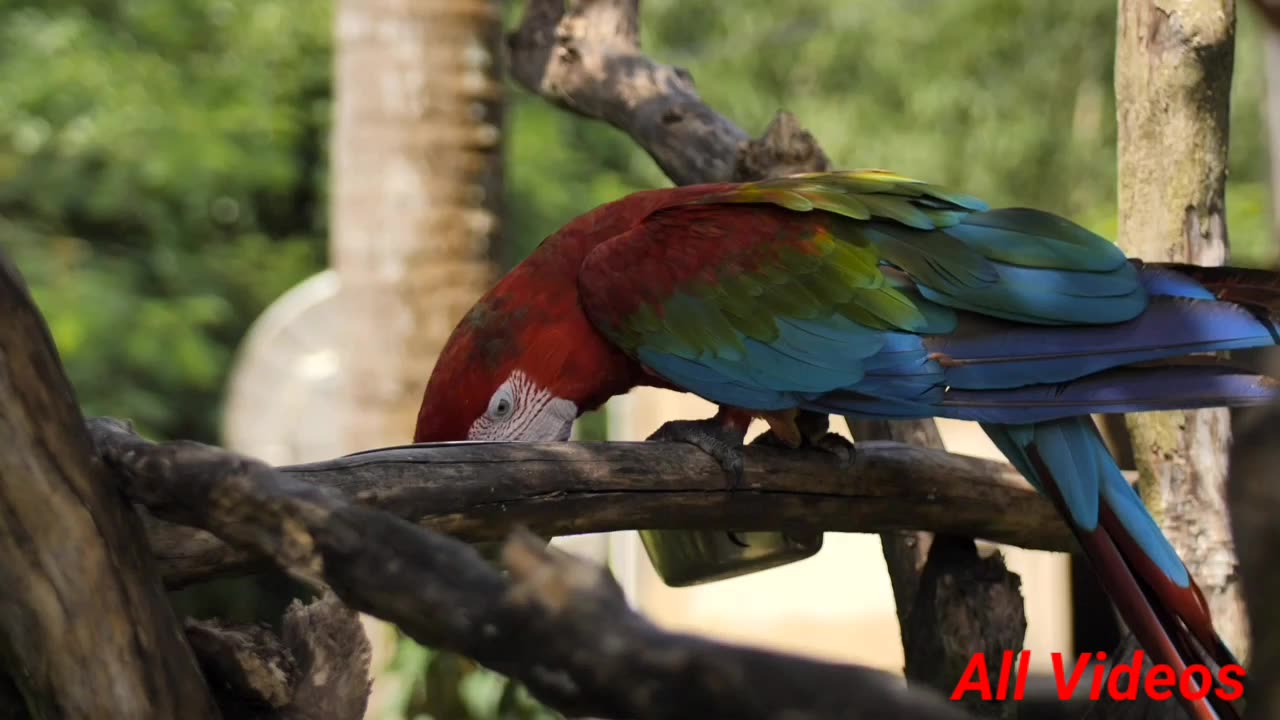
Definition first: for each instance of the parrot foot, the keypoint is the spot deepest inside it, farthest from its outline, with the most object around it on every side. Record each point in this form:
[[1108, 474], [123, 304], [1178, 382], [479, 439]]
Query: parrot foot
[[828, 442], [837, 445], [715, 438]]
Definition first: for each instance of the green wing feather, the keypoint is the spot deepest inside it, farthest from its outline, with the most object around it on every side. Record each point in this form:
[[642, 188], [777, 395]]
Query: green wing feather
[[860, 251]]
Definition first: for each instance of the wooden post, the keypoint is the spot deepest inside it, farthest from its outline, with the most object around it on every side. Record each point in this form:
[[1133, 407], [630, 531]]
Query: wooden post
[[1173, 84]]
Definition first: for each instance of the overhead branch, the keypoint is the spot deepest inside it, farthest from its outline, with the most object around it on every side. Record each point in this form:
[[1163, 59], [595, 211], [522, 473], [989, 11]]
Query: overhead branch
[[556, 623], [481, 491], [85, 628], [587, 59]]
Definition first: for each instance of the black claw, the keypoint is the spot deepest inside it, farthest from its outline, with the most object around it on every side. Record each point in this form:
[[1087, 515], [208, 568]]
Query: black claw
[[769, 438], [712, 437], [828, 442], [813, 425], [837, 445]]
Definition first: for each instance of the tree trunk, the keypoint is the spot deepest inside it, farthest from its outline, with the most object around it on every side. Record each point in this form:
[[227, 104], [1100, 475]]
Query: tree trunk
[[86, 631], [1173, 84], [1271, 72], [416, 189], [417, 169]]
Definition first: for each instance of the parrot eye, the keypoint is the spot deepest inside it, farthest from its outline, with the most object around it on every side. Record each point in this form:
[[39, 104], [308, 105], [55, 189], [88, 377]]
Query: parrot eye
[[540, 416], [501, 404]]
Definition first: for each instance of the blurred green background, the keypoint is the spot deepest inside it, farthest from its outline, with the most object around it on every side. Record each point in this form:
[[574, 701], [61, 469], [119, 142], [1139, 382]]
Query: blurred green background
[[163, 162]]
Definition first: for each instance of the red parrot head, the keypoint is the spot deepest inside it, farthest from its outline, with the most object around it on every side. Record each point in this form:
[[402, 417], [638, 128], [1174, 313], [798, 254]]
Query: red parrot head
[[495, 380], [523, 363]]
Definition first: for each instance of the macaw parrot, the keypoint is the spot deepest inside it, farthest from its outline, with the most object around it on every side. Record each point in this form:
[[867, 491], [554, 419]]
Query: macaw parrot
[[870, 295]]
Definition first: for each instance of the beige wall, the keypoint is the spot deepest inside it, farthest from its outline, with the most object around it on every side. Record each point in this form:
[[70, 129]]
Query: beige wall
[[837, 604]]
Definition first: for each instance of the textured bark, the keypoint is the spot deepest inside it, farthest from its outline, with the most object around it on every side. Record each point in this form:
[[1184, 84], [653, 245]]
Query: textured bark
[[587, 59], [416, 188], [416, 191], [554, 622], [951, 602], [1173, 82], [316, 669], [85, 628], [963, 604], [481, 491]]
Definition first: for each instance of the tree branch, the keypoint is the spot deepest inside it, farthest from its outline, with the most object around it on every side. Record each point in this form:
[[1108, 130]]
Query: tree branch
[[85, 628], [481, 491], [558, 624], [587, 59]]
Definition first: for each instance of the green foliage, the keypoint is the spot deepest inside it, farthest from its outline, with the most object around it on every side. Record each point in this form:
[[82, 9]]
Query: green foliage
[[162, 162], [435, 685], [161, 181]]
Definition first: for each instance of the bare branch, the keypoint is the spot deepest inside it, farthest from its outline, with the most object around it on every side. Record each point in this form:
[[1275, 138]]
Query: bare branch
[[481, 491], [588, 60], [85, 628], [559, 625]]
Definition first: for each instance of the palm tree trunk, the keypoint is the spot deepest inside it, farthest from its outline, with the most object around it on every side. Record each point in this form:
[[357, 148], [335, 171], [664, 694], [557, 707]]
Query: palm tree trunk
[[417, 169], [416, 189]]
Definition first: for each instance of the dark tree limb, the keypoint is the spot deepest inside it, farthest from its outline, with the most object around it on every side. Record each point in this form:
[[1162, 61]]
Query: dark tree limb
[[481, 491], [556, 623], [85, 628], [587, 58], [317, 669], [952, 603]]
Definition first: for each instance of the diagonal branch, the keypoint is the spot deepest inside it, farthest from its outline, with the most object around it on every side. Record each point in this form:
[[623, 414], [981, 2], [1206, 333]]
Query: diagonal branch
[[556, 623], [587, 59]]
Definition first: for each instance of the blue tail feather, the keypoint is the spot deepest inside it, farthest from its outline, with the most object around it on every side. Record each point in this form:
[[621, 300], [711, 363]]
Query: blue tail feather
[[1085, 474], [986, 353]]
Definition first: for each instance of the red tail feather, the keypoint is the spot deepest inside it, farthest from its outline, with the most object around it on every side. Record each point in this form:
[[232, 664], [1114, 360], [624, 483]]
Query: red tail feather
[[1171, 623]]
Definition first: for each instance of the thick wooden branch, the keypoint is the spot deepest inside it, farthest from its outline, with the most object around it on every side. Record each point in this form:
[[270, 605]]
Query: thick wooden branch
[[556, 623], [481, 491], [85, 628]]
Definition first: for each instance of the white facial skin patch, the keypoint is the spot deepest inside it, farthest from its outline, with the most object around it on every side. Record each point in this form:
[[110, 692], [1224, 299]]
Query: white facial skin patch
[[520, 411]]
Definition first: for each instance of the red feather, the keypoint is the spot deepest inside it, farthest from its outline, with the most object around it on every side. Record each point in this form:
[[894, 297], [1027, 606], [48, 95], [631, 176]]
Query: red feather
[[533, 318]]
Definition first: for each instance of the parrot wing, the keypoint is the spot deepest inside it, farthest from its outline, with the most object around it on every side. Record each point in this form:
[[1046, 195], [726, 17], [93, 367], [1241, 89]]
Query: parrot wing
[[772, 294]]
